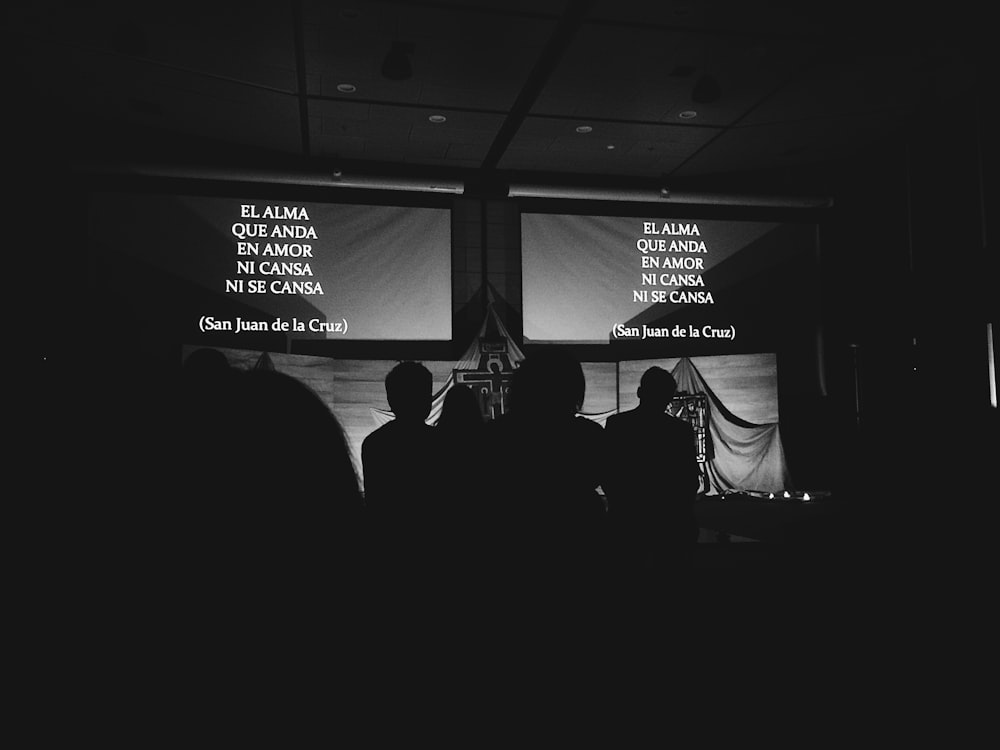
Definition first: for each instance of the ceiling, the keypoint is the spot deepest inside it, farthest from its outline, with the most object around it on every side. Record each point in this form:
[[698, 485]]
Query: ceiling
[[772, 85]]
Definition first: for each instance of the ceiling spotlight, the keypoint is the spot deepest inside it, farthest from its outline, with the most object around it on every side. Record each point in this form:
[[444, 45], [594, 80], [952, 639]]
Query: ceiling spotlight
[[687, 114], [346, 88], [610, 147], [437, 118], [706, 90], [396, 65], [584, 129]]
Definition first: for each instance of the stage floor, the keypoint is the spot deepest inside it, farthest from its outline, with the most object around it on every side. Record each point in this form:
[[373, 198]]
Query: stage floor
[[779, 535], [778, 521]]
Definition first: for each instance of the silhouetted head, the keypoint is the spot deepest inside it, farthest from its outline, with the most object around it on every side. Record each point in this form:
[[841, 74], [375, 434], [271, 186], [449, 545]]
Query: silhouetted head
[[206, 361], [409, 390], [656, 388], [207, 367], [550, 382], [206, 390], [460, 410], [302, 448]]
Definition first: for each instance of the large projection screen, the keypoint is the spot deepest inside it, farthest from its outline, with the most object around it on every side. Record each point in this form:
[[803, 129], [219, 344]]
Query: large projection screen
[[685, 286], [227, 269]]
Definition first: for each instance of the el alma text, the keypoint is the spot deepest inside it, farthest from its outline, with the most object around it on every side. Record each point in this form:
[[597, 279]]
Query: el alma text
[[671, 228], [293, 213]]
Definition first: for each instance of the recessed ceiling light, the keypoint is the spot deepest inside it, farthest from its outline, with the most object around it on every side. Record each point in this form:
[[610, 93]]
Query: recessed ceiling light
[[610, 147], [687, 114], [346, 88], [437, 118], [583, 128]]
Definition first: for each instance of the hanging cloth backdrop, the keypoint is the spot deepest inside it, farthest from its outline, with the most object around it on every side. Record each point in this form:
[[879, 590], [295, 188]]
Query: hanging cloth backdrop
[[746, 456]]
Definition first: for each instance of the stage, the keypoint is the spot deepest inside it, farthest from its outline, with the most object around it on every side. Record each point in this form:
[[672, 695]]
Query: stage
[[742, 533]]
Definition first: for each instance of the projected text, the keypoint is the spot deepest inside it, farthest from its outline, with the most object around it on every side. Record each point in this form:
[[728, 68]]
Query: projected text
[[266, 265]]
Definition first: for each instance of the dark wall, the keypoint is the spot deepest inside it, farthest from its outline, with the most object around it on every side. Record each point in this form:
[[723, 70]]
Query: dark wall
[[909, 289]]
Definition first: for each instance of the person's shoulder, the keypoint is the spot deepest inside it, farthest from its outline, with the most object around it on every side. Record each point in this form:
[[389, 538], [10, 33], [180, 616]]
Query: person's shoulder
[[677, 423], [588, 426], [383, 428], [622, 418], [678, 426], [415, 435], [379, 434], [428, 432]]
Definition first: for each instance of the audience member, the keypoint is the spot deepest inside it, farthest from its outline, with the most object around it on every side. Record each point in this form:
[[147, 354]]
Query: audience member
[[294, 448], [204, 421], [269, 510], [653, 479], [465, 465], [259, 435], [460, 412], [548, 463], [462, 430], [402, 463], [288, 467]]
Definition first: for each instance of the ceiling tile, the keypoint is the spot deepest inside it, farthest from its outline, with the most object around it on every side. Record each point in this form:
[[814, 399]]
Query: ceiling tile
[[251, 43], [460, 57], [775, 146]]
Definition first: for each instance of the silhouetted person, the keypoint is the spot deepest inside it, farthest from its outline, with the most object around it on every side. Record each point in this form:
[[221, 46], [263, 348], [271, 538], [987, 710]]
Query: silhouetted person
[[279, 493], [465, 467], [462, 430], [205, 412], [293, 445], [460, 414], [259, 436], [266, 518], [653, 481], [548, 468], [401, 462], [206, 364]]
